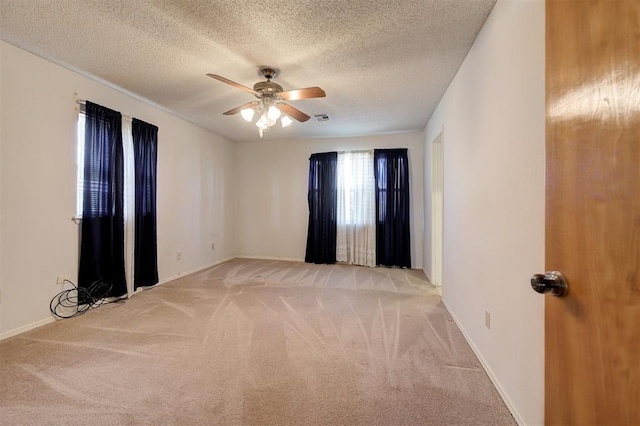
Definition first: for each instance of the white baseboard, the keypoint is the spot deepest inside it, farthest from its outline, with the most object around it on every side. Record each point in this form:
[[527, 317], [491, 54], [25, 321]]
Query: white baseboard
[[301, 259], [290, 259], [26, 328], [194, 270], [487, 368]]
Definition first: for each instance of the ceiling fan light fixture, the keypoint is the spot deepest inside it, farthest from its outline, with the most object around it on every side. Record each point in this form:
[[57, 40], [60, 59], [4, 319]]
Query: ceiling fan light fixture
[[266, 121], [247, 114], [286, 120], [273, 113], [261, 124]]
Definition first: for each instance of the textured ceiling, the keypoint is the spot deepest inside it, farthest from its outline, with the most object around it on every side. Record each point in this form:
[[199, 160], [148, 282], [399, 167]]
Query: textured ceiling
[[383, 64]]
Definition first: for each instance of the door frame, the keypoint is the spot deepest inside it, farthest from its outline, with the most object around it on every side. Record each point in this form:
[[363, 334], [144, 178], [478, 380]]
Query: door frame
[[437, 209]]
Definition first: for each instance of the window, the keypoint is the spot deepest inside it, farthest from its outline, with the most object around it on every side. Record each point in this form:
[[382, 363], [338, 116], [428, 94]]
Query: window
[[356, 184], [356, 232]]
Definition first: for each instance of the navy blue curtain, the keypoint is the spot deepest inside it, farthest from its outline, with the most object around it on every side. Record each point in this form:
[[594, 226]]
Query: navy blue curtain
[[145, 148], [102, 235], [393, 244], [323, 199]]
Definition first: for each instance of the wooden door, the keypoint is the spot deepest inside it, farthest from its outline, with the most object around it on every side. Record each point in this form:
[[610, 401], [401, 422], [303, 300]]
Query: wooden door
[[593, 211]]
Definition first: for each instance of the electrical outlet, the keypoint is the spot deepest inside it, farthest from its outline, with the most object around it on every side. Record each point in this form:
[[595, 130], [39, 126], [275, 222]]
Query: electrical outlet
[[487, 319], [213, 246], [61, 279], [178, 254]]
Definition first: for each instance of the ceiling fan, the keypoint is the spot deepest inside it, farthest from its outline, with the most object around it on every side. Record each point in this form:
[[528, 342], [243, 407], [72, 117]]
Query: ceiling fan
[[270, 106]]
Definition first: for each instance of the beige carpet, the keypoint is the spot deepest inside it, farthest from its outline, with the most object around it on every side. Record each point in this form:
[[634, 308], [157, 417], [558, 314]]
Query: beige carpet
[[255, 342]]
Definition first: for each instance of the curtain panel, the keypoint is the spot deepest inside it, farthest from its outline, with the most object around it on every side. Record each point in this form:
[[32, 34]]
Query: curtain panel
[[145, 148], [393, 245], [322, 199], [356, 221], [102, 233]]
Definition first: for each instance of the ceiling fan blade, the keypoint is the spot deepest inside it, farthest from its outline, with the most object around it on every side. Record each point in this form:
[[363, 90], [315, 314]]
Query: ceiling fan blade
[[307, 93], [240, 108], [293, 112], [233, 83]]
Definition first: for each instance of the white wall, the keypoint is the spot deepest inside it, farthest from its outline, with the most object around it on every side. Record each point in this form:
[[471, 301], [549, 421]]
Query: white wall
[[272, 205], [38, 184], [493, 117]]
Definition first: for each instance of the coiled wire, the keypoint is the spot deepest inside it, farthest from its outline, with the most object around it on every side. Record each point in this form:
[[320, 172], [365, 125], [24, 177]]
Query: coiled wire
[[76, 301]]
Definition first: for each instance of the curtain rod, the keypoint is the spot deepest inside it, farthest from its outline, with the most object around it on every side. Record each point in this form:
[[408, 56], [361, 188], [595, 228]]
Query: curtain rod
[[83, 103], [355, 152]]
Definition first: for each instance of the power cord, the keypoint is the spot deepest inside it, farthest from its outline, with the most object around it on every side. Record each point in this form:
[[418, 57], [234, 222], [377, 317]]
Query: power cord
[[76, 301]]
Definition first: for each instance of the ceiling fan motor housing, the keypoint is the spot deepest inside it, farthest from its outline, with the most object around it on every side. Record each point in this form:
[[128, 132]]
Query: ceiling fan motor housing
[[267, 88]]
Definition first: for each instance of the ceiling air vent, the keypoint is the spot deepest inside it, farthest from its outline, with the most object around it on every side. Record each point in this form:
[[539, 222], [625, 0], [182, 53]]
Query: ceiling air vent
[[322, 117]]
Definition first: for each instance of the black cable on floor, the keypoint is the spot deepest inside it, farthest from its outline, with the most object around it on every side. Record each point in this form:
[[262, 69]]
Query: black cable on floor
[[76, 301]]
